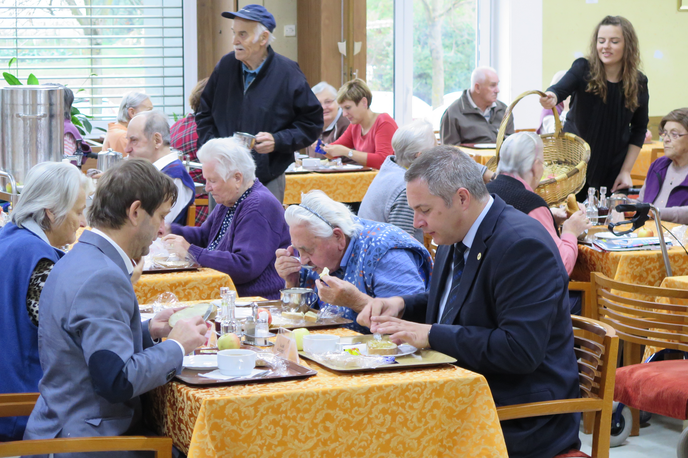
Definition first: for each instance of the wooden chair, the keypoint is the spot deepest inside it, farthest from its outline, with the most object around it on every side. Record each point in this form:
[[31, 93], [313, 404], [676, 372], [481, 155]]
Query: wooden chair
[[647, 317], [21, 404], [430, 245], [191, 212], [586, 302], [596, 347], [525, 130]]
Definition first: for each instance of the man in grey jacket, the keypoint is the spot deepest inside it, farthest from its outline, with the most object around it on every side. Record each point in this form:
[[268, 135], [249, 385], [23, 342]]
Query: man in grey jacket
[[96, 354], [475, 117]]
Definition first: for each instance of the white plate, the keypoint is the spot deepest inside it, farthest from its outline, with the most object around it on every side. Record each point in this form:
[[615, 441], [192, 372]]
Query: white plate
[[200, 362], [402, 350], [609, 235]]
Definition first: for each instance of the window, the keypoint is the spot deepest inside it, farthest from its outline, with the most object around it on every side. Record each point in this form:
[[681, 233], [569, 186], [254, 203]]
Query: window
[[420, 55], [101, 49]]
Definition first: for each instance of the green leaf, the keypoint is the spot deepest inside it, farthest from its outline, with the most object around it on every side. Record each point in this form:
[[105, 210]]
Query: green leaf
[[80, 90], [12, 60], [11, 79], [87, 125], [81, 131], [101, 129], [75, 110], [32, 80], [75, 120]]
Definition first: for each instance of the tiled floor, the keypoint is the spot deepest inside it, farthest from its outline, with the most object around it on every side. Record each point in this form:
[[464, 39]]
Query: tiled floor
[[658, 440]]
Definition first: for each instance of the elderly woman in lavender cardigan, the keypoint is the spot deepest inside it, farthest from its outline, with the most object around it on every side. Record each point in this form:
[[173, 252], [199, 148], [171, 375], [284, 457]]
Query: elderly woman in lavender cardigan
[[666, 185], [244, 230]]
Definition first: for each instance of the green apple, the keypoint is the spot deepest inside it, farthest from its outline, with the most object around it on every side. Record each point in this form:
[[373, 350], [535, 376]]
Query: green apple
[[298, 337], [229, 342]]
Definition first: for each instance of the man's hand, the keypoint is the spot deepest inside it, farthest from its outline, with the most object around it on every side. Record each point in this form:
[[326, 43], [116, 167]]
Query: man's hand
[[623, 181], [176, 244], [334, 151], [549, 101], [287, 266], [402, 331], [342, 293], [388, 306], [159, 325], [265, 143], [190, 333], [138, 270]]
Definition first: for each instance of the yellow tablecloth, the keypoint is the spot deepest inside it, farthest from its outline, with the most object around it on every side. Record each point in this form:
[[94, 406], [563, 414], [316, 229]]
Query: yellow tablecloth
[[481, 156], [193, 285], [436, 412], [342, 187]]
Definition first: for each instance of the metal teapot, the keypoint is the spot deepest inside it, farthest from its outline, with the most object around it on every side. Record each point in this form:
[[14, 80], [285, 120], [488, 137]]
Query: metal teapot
[[106, 159]]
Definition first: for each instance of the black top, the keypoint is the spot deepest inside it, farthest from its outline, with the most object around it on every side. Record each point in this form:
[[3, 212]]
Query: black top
[[278, 101], [515, 194], [607, 127]]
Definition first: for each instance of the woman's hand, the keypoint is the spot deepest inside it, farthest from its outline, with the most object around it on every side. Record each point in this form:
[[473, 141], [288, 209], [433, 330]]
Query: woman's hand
[[623, 181], [334, 151], [176, 244], [287, 266], [549, 101]]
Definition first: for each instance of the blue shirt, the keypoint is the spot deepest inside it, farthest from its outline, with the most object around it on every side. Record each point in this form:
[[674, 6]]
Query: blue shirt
[[250, 75]]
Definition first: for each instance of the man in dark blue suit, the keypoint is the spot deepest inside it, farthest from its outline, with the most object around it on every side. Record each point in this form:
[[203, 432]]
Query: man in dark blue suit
[[497, 301]]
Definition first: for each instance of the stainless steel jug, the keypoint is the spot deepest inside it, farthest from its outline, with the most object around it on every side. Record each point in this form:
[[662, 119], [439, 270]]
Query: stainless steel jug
[[107, 159], [32, 128]]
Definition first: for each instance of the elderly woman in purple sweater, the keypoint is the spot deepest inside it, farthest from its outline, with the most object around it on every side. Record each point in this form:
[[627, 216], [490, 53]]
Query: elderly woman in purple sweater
[[244, 230]]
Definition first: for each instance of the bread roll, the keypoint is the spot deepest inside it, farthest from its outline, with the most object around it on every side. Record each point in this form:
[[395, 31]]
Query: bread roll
[[571, 205]]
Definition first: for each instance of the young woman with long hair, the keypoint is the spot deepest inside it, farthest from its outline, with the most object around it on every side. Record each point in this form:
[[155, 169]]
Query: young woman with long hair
[[609, 103]]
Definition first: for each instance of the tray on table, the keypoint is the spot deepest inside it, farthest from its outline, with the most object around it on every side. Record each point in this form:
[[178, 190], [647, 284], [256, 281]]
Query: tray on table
[[155, 269]]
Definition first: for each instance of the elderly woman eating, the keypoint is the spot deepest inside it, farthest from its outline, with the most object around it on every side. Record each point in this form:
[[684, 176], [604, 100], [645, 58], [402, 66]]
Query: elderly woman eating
[[46, 218], [244, 230], [666, 185], [364, 258], [334, 121]]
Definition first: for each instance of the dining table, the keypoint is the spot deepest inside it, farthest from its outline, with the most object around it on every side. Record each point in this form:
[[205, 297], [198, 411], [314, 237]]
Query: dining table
[[437, 411], [190, 285], [339, 186]]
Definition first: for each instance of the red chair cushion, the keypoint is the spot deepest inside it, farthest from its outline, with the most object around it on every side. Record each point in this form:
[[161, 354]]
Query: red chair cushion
[[573, 454], [658, 387]]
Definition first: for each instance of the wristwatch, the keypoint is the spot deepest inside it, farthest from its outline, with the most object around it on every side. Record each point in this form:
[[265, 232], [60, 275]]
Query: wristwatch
[[351, 153]]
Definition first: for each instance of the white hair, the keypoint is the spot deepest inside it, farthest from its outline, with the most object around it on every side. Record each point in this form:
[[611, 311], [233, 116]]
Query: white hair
[[322, 87], [50, 186], [230, 156], [156, 122], [130, 100], [322, 214], [480, 74], [411, 139], [519, 152], [260, 28]]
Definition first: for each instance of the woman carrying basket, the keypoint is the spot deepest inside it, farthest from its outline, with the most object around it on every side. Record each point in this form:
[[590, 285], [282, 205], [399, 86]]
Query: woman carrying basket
[[609, 103]]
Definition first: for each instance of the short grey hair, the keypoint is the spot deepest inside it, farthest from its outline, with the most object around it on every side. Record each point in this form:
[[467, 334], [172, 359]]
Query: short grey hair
[[130, 100], [479, 74], [230, 156], [519, 152], [323, 214], [322, 87], [260, 28], [50, 186], [156, 123], [446, 169], [411, 139]]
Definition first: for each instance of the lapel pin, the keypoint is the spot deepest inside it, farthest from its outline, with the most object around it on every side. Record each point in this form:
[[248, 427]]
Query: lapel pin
[[480, 255]]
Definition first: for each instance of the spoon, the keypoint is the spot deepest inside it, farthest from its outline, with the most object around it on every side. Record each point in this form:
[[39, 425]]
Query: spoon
[[305, 266]]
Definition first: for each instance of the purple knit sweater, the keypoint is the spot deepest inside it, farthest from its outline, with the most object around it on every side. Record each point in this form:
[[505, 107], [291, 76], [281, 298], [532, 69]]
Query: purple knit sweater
[[247, 251]]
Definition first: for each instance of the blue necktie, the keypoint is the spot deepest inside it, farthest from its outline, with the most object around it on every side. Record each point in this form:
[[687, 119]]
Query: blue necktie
[[459, 264]]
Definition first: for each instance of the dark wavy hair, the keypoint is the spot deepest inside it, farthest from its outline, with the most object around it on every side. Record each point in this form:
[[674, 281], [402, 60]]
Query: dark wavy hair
[[630, 63]]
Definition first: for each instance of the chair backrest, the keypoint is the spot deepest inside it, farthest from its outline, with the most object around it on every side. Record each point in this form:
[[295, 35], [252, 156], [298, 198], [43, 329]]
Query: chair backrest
[[21, 404], [596, 346], [642, 315], [191, 215], [430, 245]]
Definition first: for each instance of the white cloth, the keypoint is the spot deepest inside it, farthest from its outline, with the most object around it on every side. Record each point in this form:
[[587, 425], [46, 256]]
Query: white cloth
[[183, 193], [467, 241]]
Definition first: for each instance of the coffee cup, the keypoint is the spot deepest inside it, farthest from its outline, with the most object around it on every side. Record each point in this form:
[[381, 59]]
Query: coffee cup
[[236, 362], [321, 343]]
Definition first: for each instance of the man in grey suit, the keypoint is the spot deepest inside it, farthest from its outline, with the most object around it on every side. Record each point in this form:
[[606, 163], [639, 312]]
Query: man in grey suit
[[96, 355]]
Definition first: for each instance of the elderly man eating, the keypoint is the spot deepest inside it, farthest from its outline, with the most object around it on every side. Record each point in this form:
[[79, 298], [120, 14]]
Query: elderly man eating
[[365, 258], [244, 230]]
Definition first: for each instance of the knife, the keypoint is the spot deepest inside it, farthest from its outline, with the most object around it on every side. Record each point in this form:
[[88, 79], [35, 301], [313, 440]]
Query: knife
[[207, 313]]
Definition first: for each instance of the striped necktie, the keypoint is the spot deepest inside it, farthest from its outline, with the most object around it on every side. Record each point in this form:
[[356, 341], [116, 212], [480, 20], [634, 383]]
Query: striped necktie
[[459, 264]]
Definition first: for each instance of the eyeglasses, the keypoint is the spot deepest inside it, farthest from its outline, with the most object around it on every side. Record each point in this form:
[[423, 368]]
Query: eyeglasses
[[674, 135]]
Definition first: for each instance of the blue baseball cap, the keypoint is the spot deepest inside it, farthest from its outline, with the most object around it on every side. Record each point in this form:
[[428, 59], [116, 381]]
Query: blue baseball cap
[[256, 13]]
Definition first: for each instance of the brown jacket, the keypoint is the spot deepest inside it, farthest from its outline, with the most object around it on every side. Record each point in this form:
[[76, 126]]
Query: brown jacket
[[462, 123]]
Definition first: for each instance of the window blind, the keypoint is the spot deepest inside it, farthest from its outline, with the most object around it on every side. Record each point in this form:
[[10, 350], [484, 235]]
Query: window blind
[[101, 49]]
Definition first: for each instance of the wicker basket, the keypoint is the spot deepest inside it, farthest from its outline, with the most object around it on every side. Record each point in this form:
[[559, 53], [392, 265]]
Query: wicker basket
[[566, 151]]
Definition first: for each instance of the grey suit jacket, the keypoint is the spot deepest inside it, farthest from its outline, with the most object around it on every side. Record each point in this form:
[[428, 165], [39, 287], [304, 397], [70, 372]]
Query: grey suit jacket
[[96, 356]]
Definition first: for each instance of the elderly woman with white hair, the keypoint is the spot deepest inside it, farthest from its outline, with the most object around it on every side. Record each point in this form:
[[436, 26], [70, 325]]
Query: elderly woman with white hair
[[46, 218], [365, 258], [334, 122], [243, 232], [132, 104], [520, 169]]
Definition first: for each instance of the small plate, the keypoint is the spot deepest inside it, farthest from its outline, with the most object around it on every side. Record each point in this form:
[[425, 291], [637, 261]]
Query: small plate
[[402, 350], [200, 362]]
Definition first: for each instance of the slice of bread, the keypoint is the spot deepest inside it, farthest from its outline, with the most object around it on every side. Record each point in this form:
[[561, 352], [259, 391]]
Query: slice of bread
[[381, 347], [296, 316], [311, 316]]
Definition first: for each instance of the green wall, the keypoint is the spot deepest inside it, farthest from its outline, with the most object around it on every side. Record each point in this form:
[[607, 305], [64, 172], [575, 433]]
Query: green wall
[[662, 31]]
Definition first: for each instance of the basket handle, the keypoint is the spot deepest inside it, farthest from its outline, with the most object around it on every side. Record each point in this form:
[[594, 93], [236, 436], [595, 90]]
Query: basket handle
[[507, 117]]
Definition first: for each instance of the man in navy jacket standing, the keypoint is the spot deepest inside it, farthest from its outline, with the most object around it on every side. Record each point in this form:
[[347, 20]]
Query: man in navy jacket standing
[[498, 299], [259, 92]]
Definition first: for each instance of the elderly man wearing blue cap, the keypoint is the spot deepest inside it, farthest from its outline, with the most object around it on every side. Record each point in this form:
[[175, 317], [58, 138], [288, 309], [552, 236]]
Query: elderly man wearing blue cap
[[257, 91]]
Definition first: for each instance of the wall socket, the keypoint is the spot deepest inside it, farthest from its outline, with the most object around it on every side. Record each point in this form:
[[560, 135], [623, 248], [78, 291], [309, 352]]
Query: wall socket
[[289, 30]]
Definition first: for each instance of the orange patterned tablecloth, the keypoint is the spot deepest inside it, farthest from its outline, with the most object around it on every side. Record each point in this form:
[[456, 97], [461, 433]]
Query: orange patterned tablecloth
[[342, 187], [481, 156], [436, 412], [192, 285]]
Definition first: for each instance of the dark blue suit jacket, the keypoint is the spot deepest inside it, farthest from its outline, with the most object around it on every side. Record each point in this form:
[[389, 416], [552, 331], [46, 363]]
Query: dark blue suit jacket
[[512, 325]]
